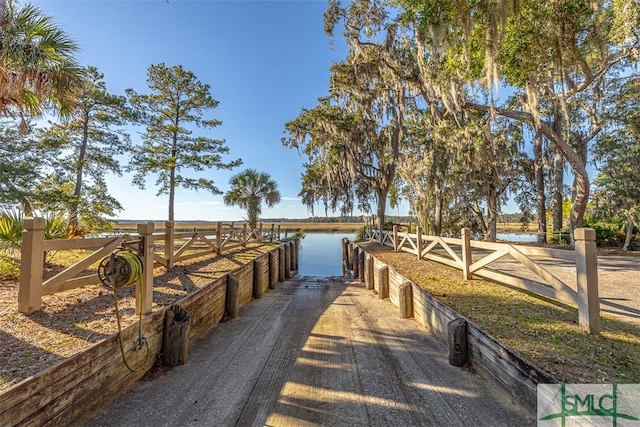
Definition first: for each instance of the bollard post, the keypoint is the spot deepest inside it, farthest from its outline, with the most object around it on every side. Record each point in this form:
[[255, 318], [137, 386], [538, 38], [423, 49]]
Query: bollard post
[[31, 265], [273, 268], [356, 259], [287, 260], [405, 292], [361, 261], [281, 256], [368, 272], [260, 276], [587, 280], [350, 255], [457, 342], [383, 282], [233, 296]]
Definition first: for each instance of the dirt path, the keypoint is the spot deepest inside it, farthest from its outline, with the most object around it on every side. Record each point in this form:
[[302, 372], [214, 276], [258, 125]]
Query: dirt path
[[315, 351]]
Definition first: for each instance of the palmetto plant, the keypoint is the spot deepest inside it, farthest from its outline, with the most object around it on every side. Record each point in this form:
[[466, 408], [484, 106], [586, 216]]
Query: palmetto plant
[[249, 189], [37, 62]]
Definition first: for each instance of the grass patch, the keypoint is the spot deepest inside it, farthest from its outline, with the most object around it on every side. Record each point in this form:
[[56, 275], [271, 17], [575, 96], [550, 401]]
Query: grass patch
[[541, 330], [9, 268]]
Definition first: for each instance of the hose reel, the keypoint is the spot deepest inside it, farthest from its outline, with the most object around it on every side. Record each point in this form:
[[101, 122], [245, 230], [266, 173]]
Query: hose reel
[[123, 268]]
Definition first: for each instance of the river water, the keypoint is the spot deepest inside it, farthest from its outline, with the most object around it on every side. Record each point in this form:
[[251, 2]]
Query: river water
[[321, 255]]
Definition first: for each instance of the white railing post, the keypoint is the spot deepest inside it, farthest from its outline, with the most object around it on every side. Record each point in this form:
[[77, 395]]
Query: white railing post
[[168, 242], [395, 238], [466, 254], [31, 265], [587, 279]]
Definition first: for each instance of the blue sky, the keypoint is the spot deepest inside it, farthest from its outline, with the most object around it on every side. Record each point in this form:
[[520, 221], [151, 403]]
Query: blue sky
[[264, 61]]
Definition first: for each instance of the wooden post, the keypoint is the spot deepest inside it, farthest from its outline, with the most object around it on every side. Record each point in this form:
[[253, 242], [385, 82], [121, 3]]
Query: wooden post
[[244, 235], [168, 242], [31, 265], [350, 255], [466, 254], [287, 260], [396, 242], [260, 276], [219, 237], [281, 262], [356, 259], [294, 252], [457, 342], [361, 259], [271, 234], [405, 292], [175, 337], [144, 290], [383, 282], [368, 271], [419, 241], [273, 268], [587, 280], [344, 247], [232, 305], [260, 233]]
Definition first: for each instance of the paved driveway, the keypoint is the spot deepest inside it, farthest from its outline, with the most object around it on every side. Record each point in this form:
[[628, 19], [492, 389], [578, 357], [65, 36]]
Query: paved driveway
[[316, 351]]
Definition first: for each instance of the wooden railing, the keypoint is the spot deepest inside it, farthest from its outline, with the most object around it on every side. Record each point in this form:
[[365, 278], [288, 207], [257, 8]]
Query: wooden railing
[[528, 267], [227, 236]]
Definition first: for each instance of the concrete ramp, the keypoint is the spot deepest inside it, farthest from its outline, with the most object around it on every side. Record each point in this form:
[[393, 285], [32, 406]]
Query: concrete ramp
[[316, 351]]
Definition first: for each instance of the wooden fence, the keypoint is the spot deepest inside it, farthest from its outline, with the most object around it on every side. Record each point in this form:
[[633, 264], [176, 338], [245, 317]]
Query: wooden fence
[[533, 272], [189, 245]]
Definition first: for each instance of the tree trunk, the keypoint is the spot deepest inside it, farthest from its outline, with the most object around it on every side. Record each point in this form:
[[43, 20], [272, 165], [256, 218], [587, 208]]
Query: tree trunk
[[436, 229], [483, 225], [558, 199], [492, 207], [540, 193], [82, 153], [382, 205], [629, 236]]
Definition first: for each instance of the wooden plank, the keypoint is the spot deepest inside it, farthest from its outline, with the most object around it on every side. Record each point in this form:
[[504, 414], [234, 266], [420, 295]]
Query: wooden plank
[[528, 285], [443, 260], [557, 284], [450, 251], [565, 254], [206, 241], [185, 246], [54, 284], [486, 245], [160, 260], [67, 244], [488, 259], [74, 283], [194, 255]]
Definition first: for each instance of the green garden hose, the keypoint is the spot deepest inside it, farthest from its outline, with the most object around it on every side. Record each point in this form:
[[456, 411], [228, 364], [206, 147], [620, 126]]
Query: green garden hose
[[124, 268]]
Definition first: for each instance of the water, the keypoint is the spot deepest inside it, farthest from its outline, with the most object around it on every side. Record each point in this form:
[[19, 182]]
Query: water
[[516, 237], [321, 254]]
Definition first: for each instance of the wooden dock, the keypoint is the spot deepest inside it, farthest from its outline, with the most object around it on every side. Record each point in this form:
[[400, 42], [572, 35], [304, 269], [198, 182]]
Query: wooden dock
[[316, 351]]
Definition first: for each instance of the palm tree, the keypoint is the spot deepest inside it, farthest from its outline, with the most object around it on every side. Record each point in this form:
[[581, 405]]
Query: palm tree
[[249, 189], [38, 68]]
